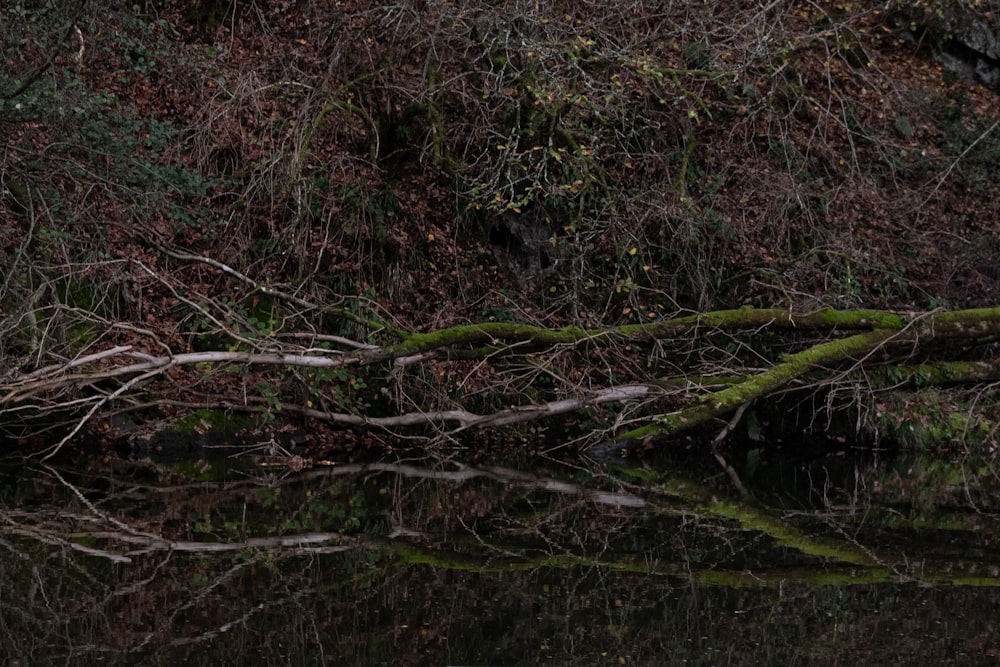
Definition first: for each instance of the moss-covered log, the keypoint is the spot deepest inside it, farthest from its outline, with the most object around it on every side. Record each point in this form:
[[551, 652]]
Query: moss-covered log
[[832, 345], [755, 387]]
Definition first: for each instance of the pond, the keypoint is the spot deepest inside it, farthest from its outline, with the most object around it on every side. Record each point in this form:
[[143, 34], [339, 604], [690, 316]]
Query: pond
[[462, 559]]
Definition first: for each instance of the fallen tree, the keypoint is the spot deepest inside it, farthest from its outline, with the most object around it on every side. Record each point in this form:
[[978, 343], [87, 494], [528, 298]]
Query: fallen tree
[[665, 377]]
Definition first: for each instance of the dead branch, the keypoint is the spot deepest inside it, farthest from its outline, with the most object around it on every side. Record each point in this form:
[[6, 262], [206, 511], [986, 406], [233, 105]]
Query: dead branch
[[72, 385]]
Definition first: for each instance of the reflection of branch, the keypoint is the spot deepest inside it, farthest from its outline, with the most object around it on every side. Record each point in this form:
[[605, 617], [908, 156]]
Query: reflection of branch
[[708, 574], [717, 440], [144, 543], [506, 475], [704, 500], [56, 540], [151, 543]]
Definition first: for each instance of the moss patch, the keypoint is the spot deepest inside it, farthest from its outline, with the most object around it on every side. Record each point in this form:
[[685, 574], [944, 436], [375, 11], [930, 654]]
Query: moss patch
[[202, 421]]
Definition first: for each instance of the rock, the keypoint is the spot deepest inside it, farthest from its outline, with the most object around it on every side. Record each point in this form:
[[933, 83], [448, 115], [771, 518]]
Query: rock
[[967, 39]]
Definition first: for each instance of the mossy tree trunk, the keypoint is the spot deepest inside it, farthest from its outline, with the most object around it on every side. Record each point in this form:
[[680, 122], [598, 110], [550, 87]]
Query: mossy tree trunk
[[667, 377]]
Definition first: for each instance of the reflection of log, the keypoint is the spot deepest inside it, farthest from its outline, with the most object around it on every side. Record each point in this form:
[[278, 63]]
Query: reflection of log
[[445, 559], [847, 555], [510, 476], [139, 542], [703, 501]]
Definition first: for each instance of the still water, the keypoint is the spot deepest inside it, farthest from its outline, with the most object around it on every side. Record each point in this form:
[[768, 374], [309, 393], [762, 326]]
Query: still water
[[461, 560]]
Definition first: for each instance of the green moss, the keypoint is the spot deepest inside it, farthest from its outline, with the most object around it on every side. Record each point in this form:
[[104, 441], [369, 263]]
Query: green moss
[[80, 335], [200, 421]]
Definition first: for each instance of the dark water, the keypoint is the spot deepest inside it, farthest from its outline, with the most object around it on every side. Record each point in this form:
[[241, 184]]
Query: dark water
[[840, 559]]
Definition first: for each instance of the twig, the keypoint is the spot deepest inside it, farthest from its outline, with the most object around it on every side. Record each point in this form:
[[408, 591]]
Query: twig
[[270, 291], [951, 167], [49, 452], [720, 436]]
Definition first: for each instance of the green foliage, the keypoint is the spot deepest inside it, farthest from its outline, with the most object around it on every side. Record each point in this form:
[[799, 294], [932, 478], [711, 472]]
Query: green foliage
[[99, 131], [369, 216], [337, 389], [498, 315], [903, 126], [932, 419], [268, 390], [345, 508], [200, 421], [580, 122], [143, 43], [245, 325]]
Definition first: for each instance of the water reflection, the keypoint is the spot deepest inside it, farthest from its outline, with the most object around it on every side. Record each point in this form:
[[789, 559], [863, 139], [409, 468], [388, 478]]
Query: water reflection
[[434, 562]]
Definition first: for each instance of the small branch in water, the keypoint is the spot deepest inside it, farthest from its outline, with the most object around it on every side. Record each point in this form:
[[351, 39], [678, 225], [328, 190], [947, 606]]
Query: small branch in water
[[733, 476]]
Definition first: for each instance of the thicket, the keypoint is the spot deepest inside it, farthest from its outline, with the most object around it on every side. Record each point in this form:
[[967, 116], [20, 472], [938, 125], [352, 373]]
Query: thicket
[[318, 181]]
